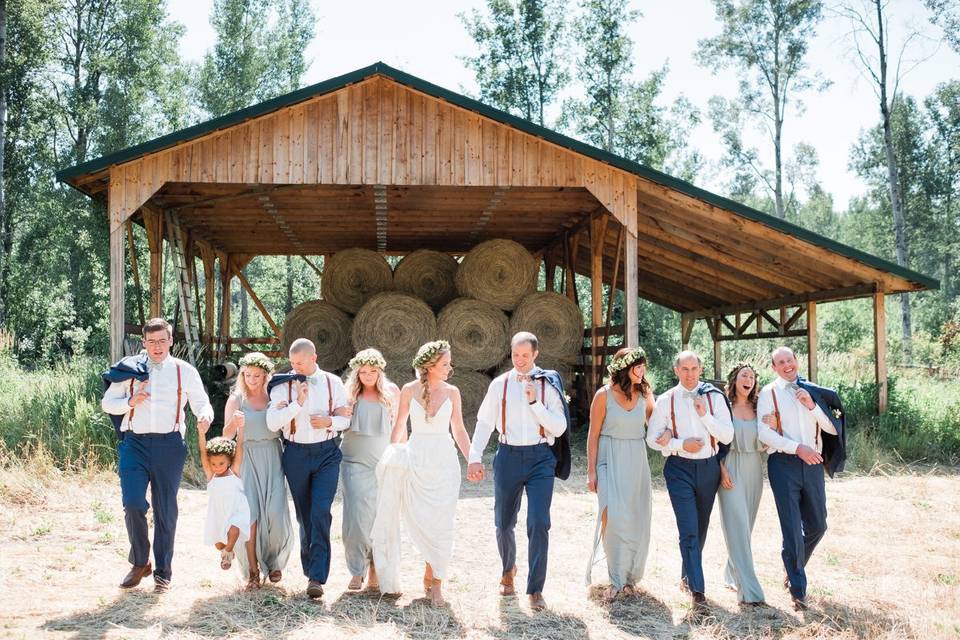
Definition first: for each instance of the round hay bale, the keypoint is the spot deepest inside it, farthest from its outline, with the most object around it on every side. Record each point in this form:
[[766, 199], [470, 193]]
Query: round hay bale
[[326, 326], [473, 387], [427, 275], [396, 324], [477, 332], [554, 319], [400, 373], [353, 276], [500, 272]]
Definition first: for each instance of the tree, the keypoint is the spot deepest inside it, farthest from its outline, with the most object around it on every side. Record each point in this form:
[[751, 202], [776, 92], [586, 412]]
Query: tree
[[522, 65], [618, 114], [766, 41], [946, 14], [870, 38], [251, 62]]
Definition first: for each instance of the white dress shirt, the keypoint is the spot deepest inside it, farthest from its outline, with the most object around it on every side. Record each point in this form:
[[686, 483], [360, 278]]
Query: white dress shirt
[[158, 413], [318, 404], [719, 424], [799, 424], [523, 419]]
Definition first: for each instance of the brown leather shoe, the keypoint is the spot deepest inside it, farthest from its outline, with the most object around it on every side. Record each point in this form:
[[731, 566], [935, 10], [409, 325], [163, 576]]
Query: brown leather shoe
[[698, 606], [136, 574], [506, 583], [799, 604], [314, 590], [537, 603], [160, 585]]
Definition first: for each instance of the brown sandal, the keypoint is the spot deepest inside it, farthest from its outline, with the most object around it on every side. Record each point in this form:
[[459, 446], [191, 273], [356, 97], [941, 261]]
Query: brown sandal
[[253, 581]]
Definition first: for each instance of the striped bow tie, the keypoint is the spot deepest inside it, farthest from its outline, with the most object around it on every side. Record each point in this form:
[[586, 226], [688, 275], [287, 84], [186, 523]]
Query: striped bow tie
[[793, 386], [689, 395]]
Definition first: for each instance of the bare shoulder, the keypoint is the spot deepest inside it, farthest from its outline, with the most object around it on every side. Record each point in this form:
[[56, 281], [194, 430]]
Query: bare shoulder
[[453, 390], [601, 393], [410, 388]]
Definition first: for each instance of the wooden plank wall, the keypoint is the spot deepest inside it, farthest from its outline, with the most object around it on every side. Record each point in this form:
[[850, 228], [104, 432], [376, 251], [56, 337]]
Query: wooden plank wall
[[374, 132]]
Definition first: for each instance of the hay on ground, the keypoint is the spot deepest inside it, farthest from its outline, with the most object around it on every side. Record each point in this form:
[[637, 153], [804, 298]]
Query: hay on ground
[[396, 324], [428, 275], [500, 272], [554, 319], [329, 328], [354, 275], [477, 332]]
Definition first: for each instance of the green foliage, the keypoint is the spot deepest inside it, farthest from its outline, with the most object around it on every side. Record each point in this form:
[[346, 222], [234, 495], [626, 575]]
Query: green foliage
[[522, 64]]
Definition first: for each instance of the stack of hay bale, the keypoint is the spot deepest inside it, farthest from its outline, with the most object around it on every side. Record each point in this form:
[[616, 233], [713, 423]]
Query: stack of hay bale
[[368, 305]]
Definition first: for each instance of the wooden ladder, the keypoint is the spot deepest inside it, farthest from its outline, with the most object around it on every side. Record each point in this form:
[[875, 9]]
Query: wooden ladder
[[188, 306]]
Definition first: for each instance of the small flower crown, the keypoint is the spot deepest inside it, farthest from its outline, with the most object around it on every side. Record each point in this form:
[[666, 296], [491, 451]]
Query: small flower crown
[[429, 351], [221, 446], [257, 360], [368, 357], [626, 360]]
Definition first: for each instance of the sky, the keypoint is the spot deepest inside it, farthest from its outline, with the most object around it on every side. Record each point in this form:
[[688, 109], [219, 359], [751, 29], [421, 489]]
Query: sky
[[427, 39]]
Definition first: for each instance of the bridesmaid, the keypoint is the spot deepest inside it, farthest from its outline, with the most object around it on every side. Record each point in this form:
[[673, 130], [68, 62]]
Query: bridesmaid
[[271, 538], [618, 472], [741, 485], [373, 405]]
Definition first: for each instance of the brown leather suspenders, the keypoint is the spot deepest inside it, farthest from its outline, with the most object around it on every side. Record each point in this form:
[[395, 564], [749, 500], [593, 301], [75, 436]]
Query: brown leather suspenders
[[176, 421], [673, 418], [503, 408], [293, 421], [779, 427]]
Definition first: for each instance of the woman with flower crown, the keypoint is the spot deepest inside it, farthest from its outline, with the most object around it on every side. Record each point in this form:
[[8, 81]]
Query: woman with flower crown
[[373, 404], [618, 472], [419, 476], [271, 539]]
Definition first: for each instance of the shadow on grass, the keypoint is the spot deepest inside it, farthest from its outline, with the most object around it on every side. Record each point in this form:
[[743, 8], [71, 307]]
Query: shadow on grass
[[127, 611], [544, 625]]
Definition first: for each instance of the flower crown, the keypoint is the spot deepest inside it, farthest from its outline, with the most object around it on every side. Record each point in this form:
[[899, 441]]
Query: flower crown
[[368, 357], [257, 360], [429, 351], [626, 360], [221, 446]]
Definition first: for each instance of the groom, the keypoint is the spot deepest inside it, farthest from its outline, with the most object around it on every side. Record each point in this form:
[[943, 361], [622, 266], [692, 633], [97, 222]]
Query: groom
[[525, 405]]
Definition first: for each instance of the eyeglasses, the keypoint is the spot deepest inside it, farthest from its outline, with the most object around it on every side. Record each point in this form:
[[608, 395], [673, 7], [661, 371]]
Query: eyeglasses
[[156, 343]]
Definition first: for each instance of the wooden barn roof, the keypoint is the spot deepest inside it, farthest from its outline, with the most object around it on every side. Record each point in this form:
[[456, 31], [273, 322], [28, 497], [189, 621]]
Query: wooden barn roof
[[381, 159]]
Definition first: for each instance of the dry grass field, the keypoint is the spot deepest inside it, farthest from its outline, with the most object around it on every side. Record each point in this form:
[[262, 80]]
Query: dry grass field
[[889, 567]]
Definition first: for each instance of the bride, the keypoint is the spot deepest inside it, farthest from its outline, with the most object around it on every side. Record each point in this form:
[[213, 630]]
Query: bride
[[419, 479]]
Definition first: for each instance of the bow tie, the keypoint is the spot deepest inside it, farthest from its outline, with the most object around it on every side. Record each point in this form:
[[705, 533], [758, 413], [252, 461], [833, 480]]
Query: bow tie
[[154, 366], [688, 395], [793, 386], [521, 378]]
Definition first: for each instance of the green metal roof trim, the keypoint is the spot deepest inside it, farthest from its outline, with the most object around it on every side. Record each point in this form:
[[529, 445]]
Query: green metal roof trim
[[379, 68]]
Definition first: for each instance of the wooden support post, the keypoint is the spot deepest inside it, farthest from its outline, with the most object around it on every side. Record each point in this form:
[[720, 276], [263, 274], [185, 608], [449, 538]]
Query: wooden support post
[[880, 350], [631, 290], [226, 275], [612, 291], [209, 260], [153, 222], [717, 356], [259, 304], [686, 329], [598, 232], [550, 272], [570, 288], [812, 341], [117, 302]]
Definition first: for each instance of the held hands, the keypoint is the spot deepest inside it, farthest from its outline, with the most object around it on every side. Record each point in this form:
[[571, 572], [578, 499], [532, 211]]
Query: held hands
[[475, 472], [344, 412], [140, 395], [803, 397], [726, 482], [664, 438], [700, 406], [238, 419], [321, 422], [808, 455], [693, 445], [203, 426]]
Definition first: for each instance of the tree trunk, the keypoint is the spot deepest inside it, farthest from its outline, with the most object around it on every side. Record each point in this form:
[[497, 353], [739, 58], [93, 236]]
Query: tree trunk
[[893, 183], [778, 169], [289, 303], [4, 221]]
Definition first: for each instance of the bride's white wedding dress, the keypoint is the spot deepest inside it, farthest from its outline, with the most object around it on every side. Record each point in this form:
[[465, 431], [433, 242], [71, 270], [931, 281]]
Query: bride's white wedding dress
[[419, 483]]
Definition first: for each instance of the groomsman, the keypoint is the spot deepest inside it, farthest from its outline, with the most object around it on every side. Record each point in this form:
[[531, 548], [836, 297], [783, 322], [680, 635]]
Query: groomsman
[[149, 393], [688, 425], [802, 425], [526, 408], [302, 406]]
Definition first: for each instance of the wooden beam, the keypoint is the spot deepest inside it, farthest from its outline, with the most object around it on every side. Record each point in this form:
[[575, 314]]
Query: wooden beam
[[880, 350], [226, 275], [598, 233], [209, 260], [717, 356], [549, 272], [811, 341], [135, 269], [117, 302], [686, 330], [612, 290], [260, 305], [313, 266], [829, 295], [631, 289]]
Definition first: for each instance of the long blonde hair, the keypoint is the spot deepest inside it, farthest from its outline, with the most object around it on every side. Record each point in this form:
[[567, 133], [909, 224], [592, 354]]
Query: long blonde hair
[[422, 372], [384, 387], [257, 361]]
